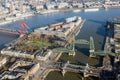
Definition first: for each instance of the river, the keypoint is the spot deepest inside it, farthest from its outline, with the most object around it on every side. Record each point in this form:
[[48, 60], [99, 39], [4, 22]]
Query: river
[[94, 26]]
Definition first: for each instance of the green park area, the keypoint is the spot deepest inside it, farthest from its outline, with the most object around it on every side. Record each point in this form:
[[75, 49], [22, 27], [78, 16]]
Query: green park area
[[35, 42]]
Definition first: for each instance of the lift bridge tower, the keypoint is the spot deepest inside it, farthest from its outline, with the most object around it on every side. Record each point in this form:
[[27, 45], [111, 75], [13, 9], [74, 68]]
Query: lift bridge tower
[[92, 47]]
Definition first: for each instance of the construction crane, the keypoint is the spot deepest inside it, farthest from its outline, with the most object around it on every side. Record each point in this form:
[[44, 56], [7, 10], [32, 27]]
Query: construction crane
[[71, 48], [104, 53], [94, 53], [92, 47]]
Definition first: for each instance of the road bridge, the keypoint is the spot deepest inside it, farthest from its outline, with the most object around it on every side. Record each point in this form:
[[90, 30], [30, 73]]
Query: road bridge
[[20, 32], [9, 31], [67, 67]]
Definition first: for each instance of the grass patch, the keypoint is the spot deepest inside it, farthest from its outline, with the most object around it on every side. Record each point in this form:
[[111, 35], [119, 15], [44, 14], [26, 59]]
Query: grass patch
[[36, 42], [41, 44]]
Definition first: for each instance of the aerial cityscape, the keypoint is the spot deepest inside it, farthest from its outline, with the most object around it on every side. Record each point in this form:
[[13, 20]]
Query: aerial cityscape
[[59, 39]]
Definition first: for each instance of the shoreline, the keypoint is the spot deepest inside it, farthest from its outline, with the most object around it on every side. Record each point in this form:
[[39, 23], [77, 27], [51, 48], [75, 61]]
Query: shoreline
[[73, 10], [4, 22], [9, 20]]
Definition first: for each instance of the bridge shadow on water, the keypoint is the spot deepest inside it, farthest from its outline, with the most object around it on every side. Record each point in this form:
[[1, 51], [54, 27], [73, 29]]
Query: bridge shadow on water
[[101, 27], [104, 40], [78, 62], [2, 46], [95, 21], [102, 32], [9, 35], [82, 55], [83, 50], [60, 20], [6, 38]]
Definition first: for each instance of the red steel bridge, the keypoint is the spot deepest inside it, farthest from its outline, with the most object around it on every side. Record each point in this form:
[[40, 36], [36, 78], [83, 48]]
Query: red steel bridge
[[20, 32]]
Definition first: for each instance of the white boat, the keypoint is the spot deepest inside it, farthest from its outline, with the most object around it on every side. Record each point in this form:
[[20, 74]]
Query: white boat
[[91, 9], [77, 10]]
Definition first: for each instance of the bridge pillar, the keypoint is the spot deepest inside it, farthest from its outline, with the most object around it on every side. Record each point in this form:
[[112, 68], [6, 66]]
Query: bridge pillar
[[72, 54], [63, 72], [92, 53], [85, 74], [82, 78], [86, 70]]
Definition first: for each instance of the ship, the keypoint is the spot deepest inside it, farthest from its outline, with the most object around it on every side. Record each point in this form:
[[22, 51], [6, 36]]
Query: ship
[[91, 9], [77, 10]]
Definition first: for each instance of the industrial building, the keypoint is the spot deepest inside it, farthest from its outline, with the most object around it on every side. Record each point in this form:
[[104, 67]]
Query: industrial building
[[60, 29]]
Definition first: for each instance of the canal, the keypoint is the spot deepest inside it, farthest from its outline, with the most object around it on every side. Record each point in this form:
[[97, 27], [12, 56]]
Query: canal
[[94, 26]]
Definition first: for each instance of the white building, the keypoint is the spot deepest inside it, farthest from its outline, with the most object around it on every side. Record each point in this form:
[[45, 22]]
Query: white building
[[78, 5], [39, 7], [50, 6], [62, 5]]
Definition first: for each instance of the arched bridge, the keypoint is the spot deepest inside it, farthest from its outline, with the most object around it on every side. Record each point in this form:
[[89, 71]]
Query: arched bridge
[[20, 32]]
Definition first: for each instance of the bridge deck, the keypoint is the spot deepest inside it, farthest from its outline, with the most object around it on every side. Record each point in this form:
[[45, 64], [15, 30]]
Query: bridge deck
[[9, 31]]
